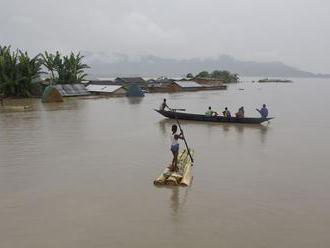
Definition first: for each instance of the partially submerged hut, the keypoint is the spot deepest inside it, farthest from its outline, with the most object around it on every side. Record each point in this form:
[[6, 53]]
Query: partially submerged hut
[[126, 81], [211, 83], [160, 85], [193, 86], [134, 90], [110, 90], [72, 89], [51, 94], [185, 86]]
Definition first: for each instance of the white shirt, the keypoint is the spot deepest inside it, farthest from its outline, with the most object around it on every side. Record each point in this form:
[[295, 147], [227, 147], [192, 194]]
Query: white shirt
[[173, 140]]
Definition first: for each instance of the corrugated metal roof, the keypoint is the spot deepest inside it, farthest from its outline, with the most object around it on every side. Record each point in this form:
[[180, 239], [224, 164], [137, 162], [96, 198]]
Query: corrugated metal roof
[[72, 89], [129, 80], [103, 88], [188, 84], [101, 82], [106, 78]]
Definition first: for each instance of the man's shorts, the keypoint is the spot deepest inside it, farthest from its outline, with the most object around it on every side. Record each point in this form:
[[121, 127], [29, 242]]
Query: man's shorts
[[175, 148]]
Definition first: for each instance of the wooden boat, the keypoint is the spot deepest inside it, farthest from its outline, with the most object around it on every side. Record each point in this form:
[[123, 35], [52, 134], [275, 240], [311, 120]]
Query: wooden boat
[[181, 178], [269, 80], [199, 117]]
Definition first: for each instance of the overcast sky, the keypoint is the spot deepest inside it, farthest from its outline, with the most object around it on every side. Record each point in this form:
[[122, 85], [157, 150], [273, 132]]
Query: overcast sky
[[296, 32]]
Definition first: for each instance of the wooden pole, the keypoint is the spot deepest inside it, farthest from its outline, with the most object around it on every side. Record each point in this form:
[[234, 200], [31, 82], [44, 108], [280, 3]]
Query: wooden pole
[[184, 139]]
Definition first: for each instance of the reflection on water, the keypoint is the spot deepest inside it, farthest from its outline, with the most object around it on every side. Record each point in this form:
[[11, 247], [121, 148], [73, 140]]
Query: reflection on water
[[16, 105], [69, 104], [165, 126], [178, 200], [175, 201], [135, 100]]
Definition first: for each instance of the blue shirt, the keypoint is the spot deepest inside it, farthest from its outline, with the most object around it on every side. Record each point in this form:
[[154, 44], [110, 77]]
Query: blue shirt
[[263, 112]]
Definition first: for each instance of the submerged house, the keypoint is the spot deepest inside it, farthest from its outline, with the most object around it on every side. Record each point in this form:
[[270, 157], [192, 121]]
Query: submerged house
[[159, 85], [209, 81], [185, 86], [51, 94], [110, 90], [126, 81], [72, 89], [193, 86], [134, 90]]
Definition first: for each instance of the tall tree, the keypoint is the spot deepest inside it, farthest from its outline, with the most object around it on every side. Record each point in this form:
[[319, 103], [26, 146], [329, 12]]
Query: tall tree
[[203, 74], [225, 76], [189, 75]]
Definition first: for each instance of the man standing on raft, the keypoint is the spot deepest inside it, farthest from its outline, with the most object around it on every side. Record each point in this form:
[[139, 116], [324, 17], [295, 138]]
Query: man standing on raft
[[175, 147]]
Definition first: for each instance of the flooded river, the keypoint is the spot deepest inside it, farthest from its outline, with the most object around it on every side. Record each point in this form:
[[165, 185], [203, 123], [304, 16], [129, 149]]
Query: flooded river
[[79, 173]]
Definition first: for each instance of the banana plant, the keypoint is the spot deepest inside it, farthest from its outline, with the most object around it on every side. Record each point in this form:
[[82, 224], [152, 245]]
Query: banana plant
[[66, 69], [17, 72]]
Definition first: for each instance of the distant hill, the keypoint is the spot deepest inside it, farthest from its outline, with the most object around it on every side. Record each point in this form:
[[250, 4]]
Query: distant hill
[[103, 65]]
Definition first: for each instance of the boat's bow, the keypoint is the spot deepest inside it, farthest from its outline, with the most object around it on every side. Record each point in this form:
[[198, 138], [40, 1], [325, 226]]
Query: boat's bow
[[165, 113]]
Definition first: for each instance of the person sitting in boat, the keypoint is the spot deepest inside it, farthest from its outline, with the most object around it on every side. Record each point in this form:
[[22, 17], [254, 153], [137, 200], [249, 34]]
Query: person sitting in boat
[[240, 113], [263, 111], [163, 105], [210, 112], [226, 113], [175, 147]]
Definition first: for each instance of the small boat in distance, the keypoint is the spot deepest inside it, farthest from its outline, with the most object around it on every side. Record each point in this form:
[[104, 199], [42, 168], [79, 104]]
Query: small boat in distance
[[274, 80], [201, 117]]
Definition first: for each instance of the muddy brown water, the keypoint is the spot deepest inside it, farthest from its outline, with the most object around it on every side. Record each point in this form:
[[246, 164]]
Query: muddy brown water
[[79, 173]]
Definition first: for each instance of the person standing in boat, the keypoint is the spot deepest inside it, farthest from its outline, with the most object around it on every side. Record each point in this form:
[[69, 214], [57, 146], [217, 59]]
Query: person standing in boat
[[263, 111], [163, 105], [175, 147]]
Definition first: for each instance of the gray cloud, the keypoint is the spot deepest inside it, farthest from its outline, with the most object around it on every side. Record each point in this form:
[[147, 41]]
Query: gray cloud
[[293, 31]]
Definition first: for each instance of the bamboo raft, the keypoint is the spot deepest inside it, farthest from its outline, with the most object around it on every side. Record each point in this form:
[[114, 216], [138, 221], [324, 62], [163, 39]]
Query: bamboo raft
[[181, 178]]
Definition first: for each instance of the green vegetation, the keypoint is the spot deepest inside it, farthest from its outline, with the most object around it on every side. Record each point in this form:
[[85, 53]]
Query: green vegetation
[[65, 69], [225, 76], [17, 72], [189, 75]]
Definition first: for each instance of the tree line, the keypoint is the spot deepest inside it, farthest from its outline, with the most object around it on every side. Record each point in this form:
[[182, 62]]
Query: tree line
[[19, 72], [225, 76]]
